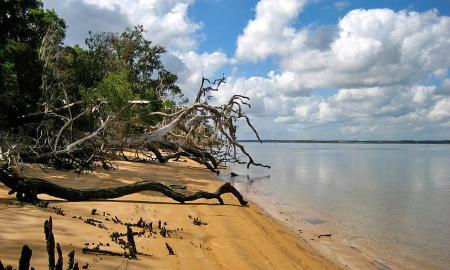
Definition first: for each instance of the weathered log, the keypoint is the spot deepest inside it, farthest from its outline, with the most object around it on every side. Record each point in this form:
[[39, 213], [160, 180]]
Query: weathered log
[[100, 252], [50, 239], [71, 262], [323, 235], [59, 264], [131, 243], [169, 248], [31, 187], [25, 257]]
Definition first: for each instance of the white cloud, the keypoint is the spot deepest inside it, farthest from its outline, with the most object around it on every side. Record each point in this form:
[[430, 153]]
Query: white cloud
[[391, 69], [166, 21], [376, 47], [441, 110], [384, 112], [195, 66], [372, 47], [269, 33]]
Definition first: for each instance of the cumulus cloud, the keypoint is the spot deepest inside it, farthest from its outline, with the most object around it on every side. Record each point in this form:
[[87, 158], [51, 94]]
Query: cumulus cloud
[[390, 70], [376, 47], [270, 32], [366, 48], [81, 18], [385, 112], [192, 66], [166, 21]]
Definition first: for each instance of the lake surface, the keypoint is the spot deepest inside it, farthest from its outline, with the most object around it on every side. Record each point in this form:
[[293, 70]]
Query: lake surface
[[390, 199]]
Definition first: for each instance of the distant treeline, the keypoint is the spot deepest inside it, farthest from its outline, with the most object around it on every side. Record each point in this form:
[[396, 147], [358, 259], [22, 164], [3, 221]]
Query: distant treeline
[[355, 141]]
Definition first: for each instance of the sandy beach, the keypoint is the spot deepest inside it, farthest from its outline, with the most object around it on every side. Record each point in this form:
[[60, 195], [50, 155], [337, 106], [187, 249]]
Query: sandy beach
[[234, 237]]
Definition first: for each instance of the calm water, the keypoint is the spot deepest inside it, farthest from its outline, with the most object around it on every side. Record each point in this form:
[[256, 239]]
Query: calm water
[[397, 197]]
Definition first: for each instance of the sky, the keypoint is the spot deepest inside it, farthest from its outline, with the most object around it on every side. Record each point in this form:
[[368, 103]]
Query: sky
[[313, 69]]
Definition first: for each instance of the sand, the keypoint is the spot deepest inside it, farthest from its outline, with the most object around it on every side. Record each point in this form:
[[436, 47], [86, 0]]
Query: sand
[[235, 237]]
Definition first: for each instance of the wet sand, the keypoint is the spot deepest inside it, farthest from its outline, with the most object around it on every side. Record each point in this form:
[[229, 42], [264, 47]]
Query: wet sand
[[235, 237]]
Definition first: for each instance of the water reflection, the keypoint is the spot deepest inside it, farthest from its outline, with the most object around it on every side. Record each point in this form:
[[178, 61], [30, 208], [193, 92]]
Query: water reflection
[[397, 196]]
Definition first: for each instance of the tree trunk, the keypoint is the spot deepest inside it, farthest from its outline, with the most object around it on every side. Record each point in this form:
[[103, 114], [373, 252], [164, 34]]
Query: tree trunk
[[28, 188]]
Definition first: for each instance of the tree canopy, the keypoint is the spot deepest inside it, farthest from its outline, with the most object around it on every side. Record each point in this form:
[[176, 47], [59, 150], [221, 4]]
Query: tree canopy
[[24, 25]]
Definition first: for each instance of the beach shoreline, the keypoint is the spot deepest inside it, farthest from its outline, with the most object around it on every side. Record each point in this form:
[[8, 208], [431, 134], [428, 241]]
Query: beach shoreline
[[316, 230], [235, 237]]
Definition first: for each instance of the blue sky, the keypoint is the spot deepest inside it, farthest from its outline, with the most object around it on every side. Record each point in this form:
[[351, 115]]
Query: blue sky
[[314, 69]]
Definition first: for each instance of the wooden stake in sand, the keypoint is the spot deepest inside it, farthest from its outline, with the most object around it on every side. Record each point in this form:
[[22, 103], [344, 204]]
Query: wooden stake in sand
[[71, 256], [50, 238], [131, 243], [59, 264], [25, 257], [169, 248]]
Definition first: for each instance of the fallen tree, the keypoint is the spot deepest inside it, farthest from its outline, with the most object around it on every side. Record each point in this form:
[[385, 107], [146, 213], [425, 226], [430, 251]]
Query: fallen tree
[[96, 129], [27, 189]]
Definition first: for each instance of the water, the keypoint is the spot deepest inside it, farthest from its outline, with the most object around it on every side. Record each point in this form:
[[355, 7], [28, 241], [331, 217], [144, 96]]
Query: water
[[393, 200]]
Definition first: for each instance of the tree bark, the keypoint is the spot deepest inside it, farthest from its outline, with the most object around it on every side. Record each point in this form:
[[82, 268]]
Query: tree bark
[[29, 188], [131, 243], [50, 238], [24, 261]]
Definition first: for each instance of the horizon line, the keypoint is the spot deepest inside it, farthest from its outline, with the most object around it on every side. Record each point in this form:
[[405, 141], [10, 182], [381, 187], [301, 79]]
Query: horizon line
[[402, 141]]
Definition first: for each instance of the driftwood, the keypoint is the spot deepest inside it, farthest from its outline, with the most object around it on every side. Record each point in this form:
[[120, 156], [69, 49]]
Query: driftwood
[[25, 257], [99, 251], [169, 248], [50, 239], [24, 261], [71, 262], [131, 243], [59, 264], [27, 190]]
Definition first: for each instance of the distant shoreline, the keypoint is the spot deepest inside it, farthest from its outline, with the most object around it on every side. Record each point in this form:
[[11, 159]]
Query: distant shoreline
[[355, 141]]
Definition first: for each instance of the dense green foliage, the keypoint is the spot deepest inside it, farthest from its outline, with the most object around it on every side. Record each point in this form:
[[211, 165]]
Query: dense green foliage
[[23, 25], [38, 72]]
